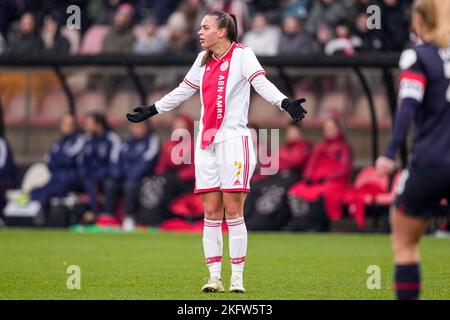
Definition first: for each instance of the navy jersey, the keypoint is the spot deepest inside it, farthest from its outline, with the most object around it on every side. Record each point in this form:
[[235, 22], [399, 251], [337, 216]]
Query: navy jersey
[[99, 157], [61, 159], [9, 175], [424, 98], [138, 156]]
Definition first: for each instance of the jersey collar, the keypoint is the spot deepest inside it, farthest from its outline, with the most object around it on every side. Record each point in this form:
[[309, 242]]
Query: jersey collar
[[231, 46]]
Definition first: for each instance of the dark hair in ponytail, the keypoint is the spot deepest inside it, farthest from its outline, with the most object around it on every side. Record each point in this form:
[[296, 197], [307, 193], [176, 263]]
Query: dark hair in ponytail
[[229, 23]]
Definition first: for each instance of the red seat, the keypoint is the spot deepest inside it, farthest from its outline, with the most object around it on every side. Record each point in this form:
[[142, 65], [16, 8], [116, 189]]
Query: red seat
[[387, 198], [371, 182], [93, 39]]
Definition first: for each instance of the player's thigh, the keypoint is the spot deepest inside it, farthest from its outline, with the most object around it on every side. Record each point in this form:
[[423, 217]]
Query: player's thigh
[[406, 230], [207, 175]]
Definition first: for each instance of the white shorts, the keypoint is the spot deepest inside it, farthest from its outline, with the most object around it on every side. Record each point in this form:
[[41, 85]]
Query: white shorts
[[225, 166]]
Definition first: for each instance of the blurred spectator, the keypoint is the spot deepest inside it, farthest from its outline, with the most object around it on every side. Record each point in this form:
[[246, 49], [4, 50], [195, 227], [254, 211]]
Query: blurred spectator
[[163, 9], [238, 8], [325, 11], [150, 42], [181, 41], [296, 150], [267, 205], [294, 40], [98, 160], [120, 38], [3, 47], [103, 11], [395, 24], [61, 161], [324, 35], [263, 5], [9, 11], [184, 171], [9, 175], [360, 6], [27, 39], [342, 44], [262, 38], [367, 40], [138, 156], [54, 42], [194, 11], [298, 8], [174, 173], [327, 173]]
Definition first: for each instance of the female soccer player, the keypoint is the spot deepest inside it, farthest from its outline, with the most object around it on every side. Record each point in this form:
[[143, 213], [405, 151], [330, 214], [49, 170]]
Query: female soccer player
[[224, 157], [425, 97]]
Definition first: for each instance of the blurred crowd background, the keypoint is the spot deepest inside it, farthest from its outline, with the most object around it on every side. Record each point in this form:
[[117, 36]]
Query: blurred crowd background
[[150, 27], [101, 170]]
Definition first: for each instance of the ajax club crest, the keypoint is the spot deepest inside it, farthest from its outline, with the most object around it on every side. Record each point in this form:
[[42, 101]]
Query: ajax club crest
[[224, 66]]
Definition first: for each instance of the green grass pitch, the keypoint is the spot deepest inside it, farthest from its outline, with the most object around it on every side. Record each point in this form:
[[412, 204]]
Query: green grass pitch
[[154, 265]]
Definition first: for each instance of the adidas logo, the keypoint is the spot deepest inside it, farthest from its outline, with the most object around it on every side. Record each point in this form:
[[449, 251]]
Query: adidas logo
[[237, 183], [207, 69]]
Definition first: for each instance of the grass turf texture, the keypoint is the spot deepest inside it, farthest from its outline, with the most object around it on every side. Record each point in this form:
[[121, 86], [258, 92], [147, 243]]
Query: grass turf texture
[[152, 265]]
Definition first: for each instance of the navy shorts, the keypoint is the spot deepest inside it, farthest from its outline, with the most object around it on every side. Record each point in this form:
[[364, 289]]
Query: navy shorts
[[420, 191]]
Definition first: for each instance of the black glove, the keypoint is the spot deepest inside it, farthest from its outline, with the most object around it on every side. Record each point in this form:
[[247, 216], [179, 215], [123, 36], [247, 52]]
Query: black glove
[[294, 108], [142, 113]]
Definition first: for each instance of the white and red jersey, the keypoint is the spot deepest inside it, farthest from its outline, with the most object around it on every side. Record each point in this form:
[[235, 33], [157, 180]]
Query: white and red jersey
[[224, 85]]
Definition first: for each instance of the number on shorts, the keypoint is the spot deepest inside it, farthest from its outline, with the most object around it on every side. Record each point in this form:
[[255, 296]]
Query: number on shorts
[[238, 165], [402, 181]]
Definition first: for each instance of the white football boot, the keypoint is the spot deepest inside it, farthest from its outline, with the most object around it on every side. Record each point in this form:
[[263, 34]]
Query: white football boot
[[237, 285], [214, 285]]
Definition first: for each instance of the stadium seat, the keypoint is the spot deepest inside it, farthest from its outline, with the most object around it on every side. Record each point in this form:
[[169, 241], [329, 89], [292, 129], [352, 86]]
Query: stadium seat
[[311, 119], [192, 107], [368, 184], [265, 115], [18, 108], [55, 105], [334, 102], [90, 101], [387, 198], [361, 114], [165, 119], [370, 178], [74, 37], [122, 102], [93, 39]]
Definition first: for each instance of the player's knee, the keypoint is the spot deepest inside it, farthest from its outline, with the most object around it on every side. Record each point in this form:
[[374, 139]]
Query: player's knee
[[213, 211], [233, 210], [403, 246]]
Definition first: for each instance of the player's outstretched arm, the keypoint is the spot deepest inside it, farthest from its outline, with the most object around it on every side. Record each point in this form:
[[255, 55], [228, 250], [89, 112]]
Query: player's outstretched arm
[[142, 113], [270, 93]]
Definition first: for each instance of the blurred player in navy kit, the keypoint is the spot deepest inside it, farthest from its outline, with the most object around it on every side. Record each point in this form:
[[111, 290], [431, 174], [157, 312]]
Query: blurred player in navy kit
[[138, 156], [425, 99], [9, 175], [61, 161], [98, 161]]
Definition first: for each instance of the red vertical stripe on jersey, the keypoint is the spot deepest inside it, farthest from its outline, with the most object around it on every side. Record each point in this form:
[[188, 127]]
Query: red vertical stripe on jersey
[[214, 86]]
